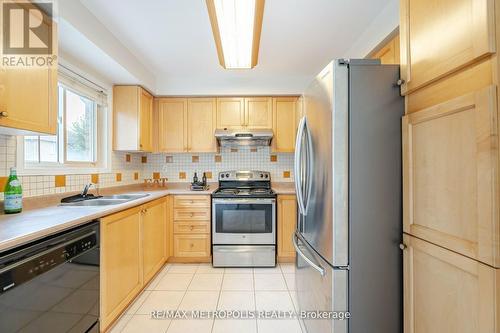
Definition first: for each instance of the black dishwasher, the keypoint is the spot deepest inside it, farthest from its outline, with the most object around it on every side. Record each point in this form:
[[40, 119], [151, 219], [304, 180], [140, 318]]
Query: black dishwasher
[[52, 285]]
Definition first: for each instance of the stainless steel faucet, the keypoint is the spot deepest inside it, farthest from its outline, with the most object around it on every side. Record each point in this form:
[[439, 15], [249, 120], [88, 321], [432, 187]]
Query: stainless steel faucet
[[86, 189]]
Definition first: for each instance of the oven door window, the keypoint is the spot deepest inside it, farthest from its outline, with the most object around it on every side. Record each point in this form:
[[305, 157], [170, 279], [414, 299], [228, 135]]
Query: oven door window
[[244, 218]]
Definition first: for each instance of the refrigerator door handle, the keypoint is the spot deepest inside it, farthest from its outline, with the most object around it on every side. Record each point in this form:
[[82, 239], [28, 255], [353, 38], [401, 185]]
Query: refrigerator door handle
[[317, 267], [297, 171], [310, 168]]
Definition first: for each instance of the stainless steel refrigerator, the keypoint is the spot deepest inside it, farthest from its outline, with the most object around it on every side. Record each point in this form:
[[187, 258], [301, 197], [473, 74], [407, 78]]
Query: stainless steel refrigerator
[[348, 185]]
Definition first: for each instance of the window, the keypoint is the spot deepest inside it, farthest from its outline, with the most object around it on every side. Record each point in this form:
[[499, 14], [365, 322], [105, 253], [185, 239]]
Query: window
[[81, 138]]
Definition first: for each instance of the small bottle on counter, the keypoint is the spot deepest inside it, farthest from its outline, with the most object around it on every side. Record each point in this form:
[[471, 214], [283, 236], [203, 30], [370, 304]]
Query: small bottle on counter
[[13, 194], [204, 179], [195, 178]]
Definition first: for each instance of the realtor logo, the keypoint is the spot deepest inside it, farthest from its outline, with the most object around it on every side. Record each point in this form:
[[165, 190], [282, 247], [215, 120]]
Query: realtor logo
[[27, 28]]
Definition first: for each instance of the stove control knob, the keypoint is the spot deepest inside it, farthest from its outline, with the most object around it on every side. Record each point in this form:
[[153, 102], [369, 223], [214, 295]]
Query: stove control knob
[[267, 176], [227, 175], [261, 175], [222, 176]]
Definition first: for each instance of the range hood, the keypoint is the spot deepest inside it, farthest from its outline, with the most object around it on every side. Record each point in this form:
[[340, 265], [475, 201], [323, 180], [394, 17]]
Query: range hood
[[242, 137]]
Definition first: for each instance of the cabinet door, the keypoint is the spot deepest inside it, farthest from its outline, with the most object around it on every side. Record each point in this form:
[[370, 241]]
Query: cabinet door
[[389, 53], [439, 37], [145, 121], [154, 234], [287, 223], [258, 112], [121, 274], [450, 170], [284, 127], [447, 292], [201, 118], [172, 118], [191, 245], [230, 112]]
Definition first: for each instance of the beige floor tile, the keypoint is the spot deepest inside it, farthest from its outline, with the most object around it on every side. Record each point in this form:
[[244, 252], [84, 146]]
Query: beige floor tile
[[236, 300], [183, 268], [269, 282], [287, 268], [239, 326], [144, 323], [191, 326], [200, 300], [238, 282], [274, 326], [206, 282], [132, 309], [238, 270], [161, 300], [290, 281], [293, 295], [174, 281], [120, 323], [273, 301], [209, 269], [267, 270]]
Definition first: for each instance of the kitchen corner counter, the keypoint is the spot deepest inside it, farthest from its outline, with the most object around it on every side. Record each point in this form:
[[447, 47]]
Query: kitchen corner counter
[[283, 187], [44, 216]]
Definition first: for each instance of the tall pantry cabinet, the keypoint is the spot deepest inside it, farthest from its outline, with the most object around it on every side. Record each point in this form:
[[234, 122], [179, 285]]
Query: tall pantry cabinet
[[450, 73]]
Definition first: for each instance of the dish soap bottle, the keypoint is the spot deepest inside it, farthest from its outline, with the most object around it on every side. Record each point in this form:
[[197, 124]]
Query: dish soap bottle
[[13, 194]]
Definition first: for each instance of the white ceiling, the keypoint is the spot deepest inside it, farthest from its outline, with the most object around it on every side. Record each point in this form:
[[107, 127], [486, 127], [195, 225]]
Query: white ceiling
[[173, 40]]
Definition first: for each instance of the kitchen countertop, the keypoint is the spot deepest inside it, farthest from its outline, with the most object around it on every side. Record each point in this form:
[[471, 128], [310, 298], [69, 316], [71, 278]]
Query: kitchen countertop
[[44, 217]]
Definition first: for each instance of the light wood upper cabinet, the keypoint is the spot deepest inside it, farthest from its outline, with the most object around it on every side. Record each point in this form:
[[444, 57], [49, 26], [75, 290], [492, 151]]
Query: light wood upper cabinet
[[121, 274], [201, 124], [450, 159], [230, 112], [172, 122], [154, 235], [28, 97], [447, 292], [132, 117], [389, 53], [439, 37], [284, 124], [287, 223], [258, 113]]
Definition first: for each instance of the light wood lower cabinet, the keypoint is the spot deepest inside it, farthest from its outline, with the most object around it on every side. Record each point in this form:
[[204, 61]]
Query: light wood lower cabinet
[[121, 271], [448, 292], [287, 223], [132, 252], [450, 162], [191, 228]]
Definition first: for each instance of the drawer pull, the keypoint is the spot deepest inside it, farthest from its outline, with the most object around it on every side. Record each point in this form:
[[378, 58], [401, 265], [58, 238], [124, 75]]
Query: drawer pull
[[4, 114], [191, 245], [191, 228]]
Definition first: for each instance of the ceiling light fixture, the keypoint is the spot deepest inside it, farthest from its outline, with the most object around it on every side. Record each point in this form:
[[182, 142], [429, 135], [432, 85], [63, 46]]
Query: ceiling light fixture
[[236, 25]]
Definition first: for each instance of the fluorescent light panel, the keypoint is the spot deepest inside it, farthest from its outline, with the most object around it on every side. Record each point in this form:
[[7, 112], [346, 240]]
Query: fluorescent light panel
[[235, 20]]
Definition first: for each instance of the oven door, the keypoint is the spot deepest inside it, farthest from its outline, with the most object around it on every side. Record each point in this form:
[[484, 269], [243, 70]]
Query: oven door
[[244, 221]]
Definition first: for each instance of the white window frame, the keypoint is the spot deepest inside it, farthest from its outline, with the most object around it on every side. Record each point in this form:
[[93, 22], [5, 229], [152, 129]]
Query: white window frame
[[102, 144]]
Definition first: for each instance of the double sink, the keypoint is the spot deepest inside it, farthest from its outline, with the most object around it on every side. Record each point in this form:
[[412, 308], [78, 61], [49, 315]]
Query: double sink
[[107, 200]]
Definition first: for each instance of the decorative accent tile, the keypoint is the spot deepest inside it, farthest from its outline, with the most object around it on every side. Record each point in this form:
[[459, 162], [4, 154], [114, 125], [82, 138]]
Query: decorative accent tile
[[118, 177], [60, 181], [218, 158], [144, 159], [156, 175], [253, 150], [234, 150], [195, 159], [182, 175], [169, 159], [136, 175], [208, 174], [94, 178], [286, 174], [127, 157], [273, 158], [3, 182]]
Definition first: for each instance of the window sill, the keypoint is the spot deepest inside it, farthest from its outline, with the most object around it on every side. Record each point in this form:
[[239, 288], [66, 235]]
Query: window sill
[[62, 170]]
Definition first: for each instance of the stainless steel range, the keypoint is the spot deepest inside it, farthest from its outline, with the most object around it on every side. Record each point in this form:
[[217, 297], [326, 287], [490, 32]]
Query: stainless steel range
[[244, 220]]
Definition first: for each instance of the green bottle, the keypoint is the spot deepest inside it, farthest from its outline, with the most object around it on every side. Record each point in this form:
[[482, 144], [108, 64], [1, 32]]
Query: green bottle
[[13, 194]]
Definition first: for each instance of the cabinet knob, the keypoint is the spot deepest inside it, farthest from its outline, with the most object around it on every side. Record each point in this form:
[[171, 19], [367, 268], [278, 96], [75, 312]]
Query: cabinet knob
[[400, 82], [191, 245], [191, 228], [403, 246], [4, 114]]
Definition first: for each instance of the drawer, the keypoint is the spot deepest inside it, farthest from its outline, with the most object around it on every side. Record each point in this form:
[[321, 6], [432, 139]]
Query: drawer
[[192, 245], [191, 201], [192, 214], [192, 227]]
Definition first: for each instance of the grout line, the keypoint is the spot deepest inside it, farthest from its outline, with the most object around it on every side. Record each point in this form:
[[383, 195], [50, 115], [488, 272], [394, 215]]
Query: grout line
[[255, 300]]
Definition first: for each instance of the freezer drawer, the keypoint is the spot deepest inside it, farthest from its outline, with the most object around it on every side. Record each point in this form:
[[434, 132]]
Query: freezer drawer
[[244, 256], [320, 289]]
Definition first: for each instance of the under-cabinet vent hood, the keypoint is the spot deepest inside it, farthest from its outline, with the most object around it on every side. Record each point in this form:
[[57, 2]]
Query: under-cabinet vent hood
[[248, 138]]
